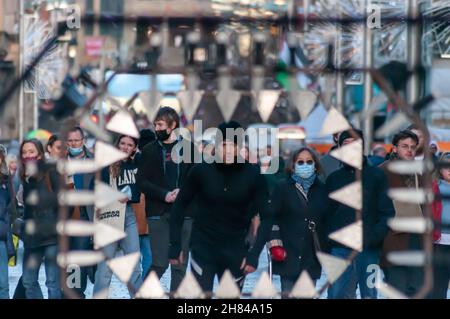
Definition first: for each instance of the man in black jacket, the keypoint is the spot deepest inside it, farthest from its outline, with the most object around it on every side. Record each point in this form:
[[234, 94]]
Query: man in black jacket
[[160, 177], [377, 208], [228, 195]]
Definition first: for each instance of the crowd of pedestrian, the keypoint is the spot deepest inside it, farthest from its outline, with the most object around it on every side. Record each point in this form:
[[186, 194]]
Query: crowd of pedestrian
[[219, 216]]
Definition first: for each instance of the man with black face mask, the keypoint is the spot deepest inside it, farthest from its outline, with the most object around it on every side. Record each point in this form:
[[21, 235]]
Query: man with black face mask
[[160, 177]]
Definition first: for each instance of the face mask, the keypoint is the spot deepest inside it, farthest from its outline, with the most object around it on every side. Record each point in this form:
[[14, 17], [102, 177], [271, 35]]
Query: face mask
[[75, 151], [162, 135], [304, 171], [29, 160]]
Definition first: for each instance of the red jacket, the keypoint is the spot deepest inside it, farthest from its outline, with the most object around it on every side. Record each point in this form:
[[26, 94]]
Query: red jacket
[[436, 209]]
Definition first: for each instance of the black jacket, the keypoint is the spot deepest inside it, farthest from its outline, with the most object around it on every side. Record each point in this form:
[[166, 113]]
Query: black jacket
[[293, 214], [227, 198], [377, 207], [150, 177], [127, 177], [44, 213]]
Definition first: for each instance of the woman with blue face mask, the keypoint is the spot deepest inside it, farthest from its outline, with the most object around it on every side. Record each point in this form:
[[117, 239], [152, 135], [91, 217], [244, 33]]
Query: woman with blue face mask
[[299, 204]]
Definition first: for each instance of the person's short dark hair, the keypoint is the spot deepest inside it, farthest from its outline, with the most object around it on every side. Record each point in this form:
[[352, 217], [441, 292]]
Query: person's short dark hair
[[347, 134], [54, 138], [146, 136], [77, 129], [168, 115], [403, 135], [290, 167], [233, 125]]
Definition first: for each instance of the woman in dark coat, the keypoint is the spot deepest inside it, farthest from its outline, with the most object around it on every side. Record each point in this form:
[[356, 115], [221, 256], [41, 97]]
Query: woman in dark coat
[[41, 245], [299, 205]]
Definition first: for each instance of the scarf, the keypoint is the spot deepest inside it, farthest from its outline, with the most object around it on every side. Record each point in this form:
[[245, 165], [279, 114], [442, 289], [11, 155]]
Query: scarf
[[305, 183]]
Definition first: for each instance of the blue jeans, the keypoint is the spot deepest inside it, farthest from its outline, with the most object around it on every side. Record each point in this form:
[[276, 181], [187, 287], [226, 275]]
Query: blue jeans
[[356, 274], [32, 263], [146, 254], [4, 278], [129, 244]]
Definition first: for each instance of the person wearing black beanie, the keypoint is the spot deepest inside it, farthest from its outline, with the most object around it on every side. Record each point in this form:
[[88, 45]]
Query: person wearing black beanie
[[346, 135], [228, 195]]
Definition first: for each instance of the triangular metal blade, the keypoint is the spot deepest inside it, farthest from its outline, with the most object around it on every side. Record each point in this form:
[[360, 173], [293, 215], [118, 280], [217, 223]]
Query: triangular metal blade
[[189, 288], [122, 122], [151, 103], [227, 287], [351, 154], [80, 258], [304, 287], [350, 195], [123, 266], [151, 288], [106, 234], [411, 195], [409, 167], [377, 102], [265, 102], [304, 100], [264, 287], [350, 236], [75, 228], [106, 154], [77, 166], [95, 129], [407, 258], [335, 122], [76, 198], [334, 267], [190, 101], [416, 225], [227, 100], [105, 195], [395, 124]]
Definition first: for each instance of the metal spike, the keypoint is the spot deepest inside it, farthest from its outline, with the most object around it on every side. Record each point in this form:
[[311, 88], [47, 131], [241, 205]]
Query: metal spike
[[227, 287], [304, 287], [334, 267], [350, 236], [265, 102], [95, 129], [123, 266], [151, 288], [106, 195], [264, 287], [413, 196], [409, 167], [76, 198], [407, 258], [304, 100], [122, 122], [189, 288], [416, 225], [77, 166], [190, 101], [107, 154], [80, 258], [228, 100], [75, 228], [335, 122], [350, 195], [105, 234], [151, 103], [395, 124], [351, 154]]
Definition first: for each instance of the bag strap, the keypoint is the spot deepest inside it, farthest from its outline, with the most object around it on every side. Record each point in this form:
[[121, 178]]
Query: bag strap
[[311, 224], [48, 182]]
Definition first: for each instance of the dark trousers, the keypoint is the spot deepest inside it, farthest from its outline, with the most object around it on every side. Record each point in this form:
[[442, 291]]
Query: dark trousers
[[441, 272], [407, 280], [209, 260], [158, 228]]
